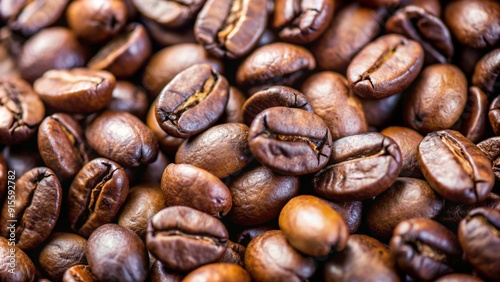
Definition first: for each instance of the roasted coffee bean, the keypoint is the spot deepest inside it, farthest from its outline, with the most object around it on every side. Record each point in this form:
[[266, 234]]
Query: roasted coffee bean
[[326, 233], [458, 277], [79, 273], [51, 48], [290, 141], [478, 31], [188, 185], [183, 238], [160, 273], [455, 168], [437, 99], [61, 145], [16, 265], [284, 263], [167, 143], [125, 54], [123, 138], [424, 249], [165, 36], [233, 113], [127, 97], [218, 272], [21, 111], [494, 115], [116, 253], [230, 29], [96, 195], [333, 100], [235, 253], [169, 13], [259, 194], [361, 167], [247, 235], [408, 141], [36, 207], [77, 90], [407, 198], [486, 71], [491, 147], [350, 212], [61, 252], [474, 118], [220, 150], [302, 21], [378, 113], [385, 67], [361, 253], [30, 17], [193, 101], [478, 235]]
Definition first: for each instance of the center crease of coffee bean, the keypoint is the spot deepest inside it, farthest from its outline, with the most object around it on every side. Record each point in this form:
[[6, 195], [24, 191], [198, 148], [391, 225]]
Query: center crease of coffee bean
[[13, 95], [203, 237], [230, 22], [426, 250]]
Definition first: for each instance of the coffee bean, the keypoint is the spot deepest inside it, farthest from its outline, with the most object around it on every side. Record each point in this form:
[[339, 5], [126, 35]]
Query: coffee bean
[[433, 7], [127, 97], [218, 272], [378, 113], [79, 273], [248, 234], [494, 115], [12, 257], [169, 13], [167, 143], [31, 17], [408, 141], [486, 71], [491, 147], [160, 273], [350, 213], [235, 253], [165, 36], [474, 116]]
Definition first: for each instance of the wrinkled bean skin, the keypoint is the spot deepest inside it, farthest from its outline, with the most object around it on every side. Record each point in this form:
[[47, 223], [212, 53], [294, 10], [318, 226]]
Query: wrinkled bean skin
[[218, 272], [487, 70], [24, 269], [408, 141]]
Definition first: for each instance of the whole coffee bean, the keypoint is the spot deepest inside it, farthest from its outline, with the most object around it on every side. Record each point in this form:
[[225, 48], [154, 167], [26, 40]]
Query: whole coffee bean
[[437, 99], [160, 273], [61, 145], [123, 138], [455, 168], [78, 90], [96, 21], [220, 150], [491, 147], [79, 273], [188, 185], [34, 16], [218, 272], [143, 201], [21, 111], [479, 31], [326, 233], [183, 238], [361, 167], [385, 67], [304, 21], [248, 234], [486, 71], [478, 235], [3, 177], [172, 14], [290, 141], [51, 48], [259, 194], [275, 63], [350, 213], [474, 117], [193, 101], [494, 115], [361, 254], [378, 113], [167, 143], [333, 100], [407, 198], [458, 277], [36, 208], [408, 141], [230, 29], [284, 263], [14, 259], [350, 30], [116, 253], [62, 251], [416, 23], [96, 195], [127, 97], [424, 249], [233, 113]]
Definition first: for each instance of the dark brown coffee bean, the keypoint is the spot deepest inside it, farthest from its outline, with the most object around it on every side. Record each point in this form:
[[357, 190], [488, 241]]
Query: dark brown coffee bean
[[479, 31], [487, 71], [233, 113], [187, 185], [51, 48], [259, 195], [494, 115], [247, 235], [333, 100], [458, 277], [21, 111], [116, 253], [77, 90], [218, 272], [437, 98], [79, 273], [193, 101], [160, 273], [330, 231], [235, 253], [302, 21], [361, 253], [35, 208], [290, 141], [127, 97], [284, 263], [30, 17], [123, 138], [230, 29], [184, 238], [220, 150], [378, 113], [385, 67], [474, 117], [350, 213], [167, 143], [16, 265], [274, 96], [361, 167], [169, 13], [96, 195], [491, 147], [61, 145], [424, 249], [478, 235], [408, 141], [61, 252], [455, 168]]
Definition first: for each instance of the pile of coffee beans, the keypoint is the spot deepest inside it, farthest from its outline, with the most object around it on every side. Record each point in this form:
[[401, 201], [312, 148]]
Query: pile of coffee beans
[[249, 140]]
